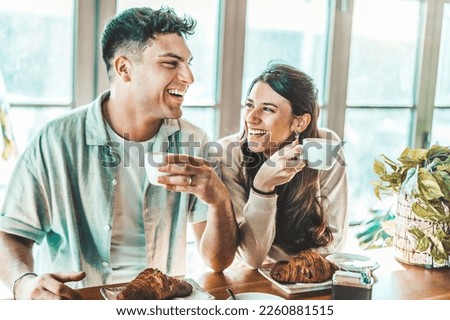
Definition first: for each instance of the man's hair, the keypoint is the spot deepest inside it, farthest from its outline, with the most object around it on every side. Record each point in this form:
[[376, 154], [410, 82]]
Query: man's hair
[[132, 31]]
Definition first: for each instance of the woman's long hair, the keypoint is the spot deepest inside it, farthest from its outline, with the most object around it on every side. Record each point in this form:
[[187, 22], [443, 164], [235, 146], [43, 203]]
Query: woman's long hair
[[300, 223]]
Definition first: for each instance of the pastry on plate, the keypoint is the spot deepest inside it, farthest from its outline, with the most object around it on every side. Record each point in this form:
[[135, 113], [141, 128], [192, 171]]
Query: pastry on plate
[[152, 284], [307, 267]]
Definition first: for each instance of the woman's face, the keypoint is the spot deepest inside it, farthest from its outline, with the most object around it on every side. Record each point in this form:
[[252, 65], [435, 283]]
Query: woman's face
[[268, 119]]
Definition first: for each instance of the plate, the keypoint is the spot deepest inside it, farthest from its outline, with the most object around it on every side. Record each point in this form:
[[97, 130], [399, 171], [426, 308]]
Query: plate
[[256, 296], [198, 293], [292, 288], [352, 262]]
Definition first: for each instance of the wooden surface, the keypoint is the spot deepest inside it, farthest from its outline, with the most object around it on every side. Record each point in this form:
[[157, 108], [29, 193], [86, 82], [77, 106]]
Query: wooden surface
[[393, 281]]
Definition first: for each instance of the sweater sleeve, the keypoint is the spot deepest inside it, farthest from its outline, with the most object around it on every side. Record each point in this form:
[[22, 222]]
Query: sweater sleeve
[[255, 214], [334, 190]]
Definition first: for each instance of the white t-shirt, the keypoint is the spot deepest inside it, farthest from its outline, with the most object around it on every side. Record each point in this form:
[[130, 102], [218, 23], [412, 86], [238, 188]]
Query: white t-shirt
[[128, 254]]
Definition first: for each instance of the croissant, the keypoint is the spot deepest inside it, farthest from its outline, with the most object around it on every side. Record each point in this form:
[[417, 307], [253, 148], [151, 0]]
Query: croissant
[[307, 267], [152, 284]]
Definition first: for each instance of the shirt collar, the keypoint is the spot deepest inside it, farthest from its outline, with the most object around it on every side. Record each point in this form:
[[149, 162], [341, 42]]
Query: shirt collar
[[96, 133]]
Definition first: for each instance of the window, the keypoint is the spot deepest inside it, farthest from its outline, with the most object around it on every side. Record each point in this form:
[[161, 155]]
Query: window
[[298, 38], [381, 91], [441, 119], [37, 66], [443, 83], [383, 59]]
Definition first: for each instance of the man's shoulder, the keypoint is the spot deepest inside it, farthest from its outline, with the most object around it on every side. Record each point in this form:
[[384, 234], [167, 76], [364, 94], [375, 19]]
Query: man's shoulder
[[187, 128]]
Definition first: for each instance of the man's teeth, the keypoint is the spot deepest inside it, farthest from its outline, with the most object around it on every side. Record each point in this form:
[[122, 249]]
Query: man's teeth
[[177, 92], [257, 132]]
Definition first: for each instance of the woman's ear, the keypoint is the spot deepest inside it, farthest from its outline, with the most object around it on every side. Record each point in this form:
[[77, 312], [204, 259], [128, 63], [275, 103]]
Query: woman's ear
[[301, 122], [122, 68]]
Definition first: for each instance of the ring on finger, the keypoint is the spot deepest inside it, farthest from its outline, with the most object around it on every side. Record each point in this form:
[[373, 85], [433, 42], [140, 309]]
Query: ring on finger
[[190, 181]]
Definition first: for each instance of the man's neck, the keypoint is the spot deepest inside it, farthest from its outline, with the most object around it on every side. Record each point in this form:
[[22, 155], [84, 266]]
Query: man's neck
[[127, 124]]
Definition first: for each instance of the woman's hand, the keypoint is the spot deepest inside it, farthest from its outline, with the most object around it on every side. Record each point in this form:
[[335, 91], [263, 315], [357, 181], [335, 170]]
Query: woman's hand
[[49, 286], [193, 175], [280, 168]]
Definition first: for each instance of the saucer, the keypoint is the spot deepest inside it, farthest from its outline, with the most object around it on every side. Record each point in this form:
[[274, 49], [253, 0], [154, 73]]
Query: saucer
[[256, 296]]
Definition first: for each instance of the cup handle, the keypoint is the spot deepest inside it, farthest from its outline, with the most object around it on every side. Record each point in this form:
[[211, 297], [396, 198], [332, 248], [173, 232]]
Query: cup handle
[[300, 157]]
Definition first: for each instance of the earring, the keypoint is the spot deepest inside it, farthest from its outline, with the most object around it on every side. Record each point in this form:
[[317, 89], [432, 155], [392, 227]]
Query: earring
[[297, 136]]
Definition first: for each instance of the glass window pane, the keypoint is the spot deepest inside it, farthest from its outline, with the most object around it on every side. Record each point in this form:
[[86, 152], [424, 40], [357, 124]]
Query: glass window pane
[[36, 41], [383, 53], [368, 134], [25, 123], [289, 31], [441, 133], [203, 117], [443, 83], [203, 43]]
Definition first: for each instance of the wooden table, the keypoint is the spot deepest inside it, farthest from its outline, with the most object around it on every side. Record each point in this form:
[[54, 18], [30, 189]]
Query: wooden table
[[393, 281]]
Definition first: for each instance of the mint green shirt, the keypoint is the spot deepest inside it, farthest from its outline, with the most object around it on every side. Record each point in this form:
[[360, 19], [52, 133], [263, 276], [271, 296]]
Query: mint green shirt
[[61, 196]]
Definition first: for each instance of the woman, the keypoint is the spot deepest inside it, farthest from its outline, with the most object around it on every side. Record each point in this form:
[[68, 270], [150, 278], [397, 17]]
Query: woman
[[282, 206]]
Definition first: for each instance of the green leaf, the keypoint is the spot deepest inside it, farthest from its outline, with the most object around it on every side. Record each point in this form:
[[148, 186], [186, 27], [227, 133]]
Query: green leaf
[[443, 184], [437, 243], [390, 163], [377, 192], [445, 240], [444, 167], [422, 241], [437, 150], [428, 186], [438, 255], [379, 168], [417, 233], [412, 157], [428, 213]]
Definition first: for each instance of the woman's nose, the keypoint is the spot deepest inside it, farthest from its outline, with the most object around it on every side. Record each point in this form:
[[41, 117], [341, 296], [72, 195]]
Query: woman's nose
[[252, 116]]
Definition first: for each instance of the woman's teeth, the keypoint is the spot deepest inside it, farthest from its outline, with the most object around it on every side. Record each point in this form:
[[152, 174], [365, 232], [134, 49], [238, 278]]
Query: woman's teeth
[[257, 132]]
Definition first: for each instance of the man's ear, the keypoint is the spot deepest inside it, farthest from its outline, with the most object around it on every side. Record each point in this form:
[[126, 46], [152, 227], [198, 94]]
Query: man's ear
[[122, 68], [301, 122]]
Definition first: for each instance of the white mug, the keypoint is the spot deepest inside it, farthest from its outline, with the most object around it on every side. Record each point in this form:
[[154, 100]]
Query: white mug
[[153, 161], [319, 153]]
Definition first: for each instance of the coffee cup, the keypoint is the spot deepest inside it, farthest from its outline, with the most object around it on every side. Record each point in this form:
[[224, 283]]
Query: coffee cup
[[319, 153], [153, 161]]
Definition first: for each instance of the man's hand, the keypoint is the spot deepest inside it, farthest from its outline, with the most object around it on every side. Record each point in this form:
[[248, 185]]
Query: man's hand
[[48, 286], [193, 175]]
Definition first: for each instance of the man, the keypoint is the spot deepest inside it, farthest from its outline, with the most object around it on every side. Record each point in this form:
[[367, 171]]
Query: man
[[94, 212]]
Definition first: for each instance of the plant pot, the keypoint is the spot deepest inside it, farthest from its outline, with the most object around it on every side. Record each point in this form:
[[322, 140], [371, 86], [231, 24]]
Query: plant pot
[[405, 243]]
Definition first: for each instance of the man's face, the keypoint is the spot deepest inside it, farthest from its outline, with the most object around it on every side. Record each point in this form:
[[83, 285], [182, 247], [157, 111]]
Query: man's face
[[160, 79]]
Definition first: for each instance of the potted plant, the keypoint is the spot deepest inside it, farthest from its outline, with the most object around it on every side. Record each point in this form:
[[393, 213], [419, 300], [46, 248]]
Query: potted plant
[[421, 180]]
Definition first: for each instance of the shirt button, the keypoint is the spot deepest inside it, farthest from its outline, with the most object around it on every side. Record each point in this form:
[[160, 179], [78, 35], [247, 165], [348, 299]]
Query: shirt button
[[114, 182], [107, 227], [105, 263]]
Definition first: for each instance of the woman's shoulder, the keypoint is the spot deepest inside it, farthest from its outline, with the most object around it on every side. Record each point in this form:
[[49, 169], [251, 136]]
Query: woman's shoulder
[[229, 149]]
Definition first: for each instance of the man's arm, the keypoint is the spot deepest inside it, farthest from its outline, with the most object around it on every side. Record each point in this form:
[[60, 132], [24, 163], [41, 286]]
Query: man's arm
[[17, 261], [218, 237]]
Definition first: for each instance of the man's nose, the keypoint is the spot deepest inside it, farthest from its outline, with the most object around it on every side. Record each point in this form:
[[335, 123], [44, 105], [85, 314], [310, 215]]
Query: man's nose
[[186, 75]]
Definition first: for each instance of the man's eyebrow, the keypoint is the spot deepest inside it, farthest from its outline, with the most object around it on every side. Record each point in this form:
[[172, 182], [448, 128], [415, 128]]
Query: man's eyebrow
[[173, 55]]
